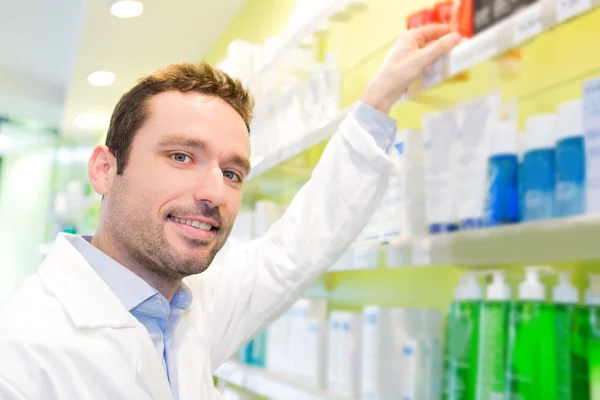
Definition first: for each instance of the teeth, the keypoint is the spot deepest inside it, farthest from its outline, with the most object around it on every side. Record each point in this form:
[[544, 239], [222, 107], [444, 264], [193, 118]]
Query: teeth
[[195, 224]]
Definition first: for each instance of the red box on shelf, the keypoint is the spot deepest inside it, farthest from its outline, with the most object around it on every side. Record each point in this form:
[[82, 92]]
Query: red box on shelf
[[421, 18], [444, 11]]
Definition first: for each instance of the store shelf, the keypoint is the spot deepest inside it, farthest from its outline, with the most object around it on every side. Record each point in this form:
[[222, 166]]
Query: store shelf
[[559, 240], [295, 39], [72, 215], [269, 384], [510, 33], [314, 137]]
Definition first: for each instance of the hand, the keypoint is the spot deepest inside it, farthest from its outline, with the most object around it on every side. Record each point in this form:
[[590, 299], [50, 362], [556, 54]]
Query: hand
[[413, 52]]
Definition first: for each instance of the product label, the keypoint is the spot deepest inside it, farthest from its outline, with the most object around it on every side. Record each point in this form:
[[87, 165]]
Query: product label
[[528, 23], [566, 9]]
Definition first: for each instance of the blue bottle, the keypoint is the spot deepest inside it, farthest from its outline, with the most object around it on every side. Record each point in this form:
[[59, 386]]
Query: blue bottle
[[539, 168], [502, 203], [570, 160], [259, 347]]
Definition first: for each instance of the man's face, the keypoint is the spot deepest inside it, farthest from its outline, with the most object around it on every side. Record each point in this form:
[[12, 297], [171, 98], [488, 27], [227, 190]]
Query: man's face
[[175, 203]]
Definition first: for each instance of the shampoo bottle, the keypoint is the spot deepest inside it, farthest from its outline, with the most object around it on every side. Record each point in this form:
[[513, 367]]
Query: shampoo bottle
[[493, 340], [502, 205], [570, 160], [539, 168], [565, 299], [531, 369], [460, 354]]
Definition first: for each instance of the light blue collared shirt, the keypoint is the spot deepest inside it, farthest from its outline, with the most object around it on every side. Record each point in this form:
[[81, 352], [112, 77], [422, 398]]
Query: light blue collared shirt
[[143, 301], [149, 306], [381, 126]]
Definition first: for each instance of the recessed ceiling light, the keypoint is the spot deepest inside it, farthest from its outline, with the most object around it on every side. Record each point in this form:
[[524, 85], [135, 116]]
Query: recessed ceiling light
[[86, 121], [127, 8], [101, 78], [5, 142]]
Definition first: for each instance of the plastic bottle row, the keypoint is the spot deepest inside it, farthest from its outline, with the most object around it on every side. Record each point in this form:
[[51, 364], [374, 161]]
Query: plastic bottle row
[[494, 346], [369, 355], [470, 168], [522, 348]]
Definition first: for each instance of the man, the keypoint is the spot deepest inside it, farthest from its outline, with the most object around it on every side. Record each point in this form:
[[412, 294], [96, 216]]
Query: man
[[133, 312]]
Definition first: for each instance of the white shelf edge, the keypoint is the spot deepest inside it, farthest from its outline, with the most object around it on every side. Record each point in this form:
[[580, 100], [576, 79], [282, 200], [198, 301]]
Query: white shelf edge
[[323, 132], [557, 240], [271, 384]]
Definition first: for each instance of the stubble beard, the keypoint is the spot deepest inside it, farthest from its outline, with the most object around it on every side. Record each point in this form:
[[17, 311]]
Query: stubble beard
[[144, 243]]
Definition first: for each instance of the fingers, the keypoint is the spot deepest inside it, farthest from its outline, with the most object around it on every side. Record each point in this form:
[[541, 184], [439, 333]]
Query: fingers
[[432, 31], [437, 48]]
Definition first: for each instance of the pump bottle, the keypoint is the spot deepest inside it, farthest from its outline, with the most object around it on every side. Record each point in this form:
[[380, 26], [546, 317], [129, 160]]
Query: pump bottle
[[493, 339], [460, 353], [565, 299], [531, 366], [591, 340]]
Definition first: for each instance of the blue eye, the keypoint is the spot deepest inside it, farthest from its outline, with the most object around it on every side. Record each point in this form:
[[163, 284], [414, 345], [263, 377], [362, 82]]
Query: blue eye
[[232, 176], [180, 157]]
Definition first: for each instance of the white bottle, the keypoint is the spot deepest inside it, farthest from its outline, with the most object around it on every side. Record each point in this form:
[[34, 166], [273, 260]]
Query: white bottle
[[350, 353], [404, 201], [334, 350], [378, 373], [406, 374], [430, 369]]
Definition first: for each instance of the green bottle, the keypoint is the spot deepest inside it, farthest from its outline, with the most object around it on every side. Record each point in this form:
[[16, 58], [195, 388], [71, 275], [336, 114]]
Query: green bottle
[[565, 299], [493, 340], [531, 356], [460, 353], [592, 312]]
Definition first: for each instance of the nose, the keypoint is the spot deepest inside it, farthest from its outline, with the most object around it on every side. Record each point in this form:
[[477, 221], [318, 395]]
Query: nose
[[210, 186]]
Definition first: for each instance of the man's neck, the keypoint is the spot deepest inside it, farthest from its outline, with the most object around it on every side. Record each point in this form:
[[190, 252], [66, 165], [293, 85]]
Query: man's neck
[[167, 286]]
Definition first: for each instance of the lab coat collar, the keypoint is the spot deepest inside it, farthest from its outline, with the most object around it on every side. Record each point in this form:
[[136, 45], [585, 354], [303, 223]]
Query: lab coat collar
[[85, 296], [91, 304]]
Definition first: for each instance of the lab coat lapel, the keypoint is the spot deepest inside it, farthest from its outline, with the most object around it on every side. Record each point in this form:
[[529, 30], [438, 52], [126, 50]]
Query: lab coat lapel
[[190, 353], [150, 368], [92, 305]]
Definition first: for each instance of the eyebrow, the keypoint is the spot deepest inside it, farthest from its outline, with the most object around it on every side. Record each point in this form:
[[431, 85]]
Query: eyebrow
[[178, 139], [241, 162]]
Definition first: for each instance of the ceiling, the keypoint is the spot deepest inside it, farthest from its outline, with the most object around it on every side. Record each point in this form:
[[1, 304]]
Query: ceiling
[[49, 47]]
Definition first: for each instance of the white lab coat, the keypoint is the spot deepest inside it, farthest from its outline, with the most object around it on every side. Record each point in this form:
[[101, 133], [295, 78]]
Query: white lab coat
[[64, 335]]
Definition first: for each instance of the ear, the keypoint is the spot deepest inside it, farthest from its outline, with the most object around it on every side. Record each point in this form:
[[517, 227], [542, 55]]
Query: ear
[[102, 166]]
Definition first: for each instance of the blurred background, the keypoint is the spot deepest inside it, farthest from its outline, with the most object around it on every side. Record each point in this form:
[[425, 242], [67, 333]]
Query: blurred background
[[477, 276]]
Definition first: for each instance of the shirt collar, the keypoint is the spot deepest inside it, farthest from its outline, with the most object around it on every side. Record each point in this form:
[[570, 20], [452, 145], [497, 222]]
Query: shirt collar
[[129, 288]]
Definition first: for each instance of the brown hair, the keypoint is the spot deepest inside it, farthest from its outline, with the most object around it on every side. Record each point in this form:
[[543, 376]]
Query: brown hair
[[131, 110]]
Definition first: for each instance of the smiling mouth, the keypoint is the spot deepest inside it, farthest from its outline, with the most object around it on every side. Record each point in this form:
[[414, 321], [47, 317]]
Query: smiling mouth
[[194, 224]]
